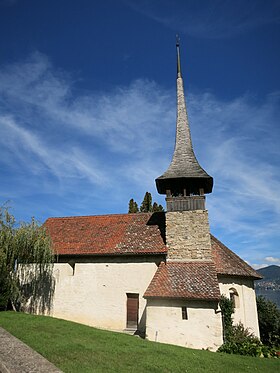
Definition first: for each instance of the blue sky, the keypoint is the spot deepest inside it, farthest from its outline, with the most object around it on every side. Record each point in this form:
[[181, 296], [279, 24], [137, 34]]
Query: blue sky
[[88, 108]]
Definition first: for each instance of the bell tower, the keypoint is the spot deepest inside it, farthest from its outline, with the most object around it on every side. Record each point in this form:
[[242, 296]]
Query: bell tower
[[185, 184]]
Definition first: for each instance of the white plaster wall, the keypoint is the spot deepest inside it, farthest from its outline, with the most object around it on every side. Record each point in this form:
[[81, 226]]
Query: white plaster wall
[[96, 293], [203, 329], [246, 312]]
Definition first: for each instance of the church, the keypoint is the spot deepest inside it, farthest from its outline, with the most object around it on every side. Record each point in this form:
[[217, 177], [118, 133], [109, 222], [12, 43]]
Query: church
[[159, 275]]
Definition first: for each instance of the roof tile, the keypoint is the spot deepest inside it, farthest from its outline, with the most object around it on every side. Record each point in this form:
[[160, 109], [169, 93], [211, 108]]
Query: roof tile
[[126, 234], [228, 263], [188, 280], [107, 234]]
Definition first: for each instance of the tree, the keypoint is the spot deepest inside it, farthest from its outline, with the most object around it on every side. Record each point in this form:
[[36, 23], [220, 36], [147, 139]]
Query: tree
[[26, 260], [146, 205], [157, 208], [269, 322], [132, 207]]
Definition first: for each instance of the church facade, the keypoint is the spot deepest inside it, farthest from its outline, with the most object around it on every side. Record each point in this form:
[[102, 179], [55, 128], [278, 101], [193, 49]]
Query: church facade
[[159, 275]]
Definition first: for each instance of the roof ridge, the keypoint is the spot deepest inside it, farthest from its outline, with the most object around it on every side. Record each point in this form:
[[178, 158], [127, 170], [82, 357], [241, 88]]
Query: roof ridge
[[91, 216]]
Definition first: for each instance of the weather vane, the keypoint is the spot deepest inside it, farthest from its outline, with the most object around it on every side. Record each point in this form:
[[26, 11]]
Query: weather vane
[[178, 56]]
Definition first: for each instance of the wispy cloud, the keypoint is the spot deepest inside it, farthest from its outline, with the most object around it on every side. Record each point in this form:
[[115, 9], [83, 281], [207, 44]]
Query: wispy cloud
[[271, 259], [107, 140], [68, 154], [38, 156], [238, 145], [214, 19], [267, 261]]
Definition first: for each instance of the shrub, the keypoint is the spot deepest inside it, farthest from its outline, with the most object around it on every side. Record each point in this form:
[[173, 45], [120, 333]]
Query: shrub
[[242, 342]]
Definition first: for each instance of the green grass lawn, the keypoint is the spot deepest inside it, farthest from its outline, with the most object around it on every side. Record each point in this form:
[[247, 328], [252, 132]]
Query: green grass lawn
[[78, 348]]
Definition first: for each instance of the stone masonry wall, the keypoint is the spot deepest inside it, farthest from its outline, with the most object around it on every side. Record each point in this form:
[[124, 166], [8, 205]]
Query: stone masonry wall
[[188, 235]]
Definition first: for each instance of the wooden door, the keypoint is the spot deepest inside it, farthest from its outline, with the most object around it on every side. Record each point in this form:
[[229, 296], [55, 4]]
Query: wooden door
[[132, 308]]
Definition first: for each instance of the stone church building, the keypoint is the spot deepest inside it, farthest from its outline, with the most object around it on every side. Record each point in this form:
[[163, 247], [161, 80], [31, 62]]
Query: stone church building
[[160, 274]]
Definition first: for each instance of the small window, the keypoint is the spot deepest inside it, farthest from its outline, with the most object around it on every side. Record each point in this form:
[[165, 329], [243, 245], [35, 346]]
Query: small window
[[184, 313]]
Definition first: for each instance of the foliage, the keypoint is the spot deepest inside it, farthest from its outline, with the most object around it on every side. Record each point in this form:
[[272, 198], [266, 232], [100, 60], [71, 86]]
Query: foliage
[[242, 342], [227, 309], [4, 289], [269, 322], [21, 246], [132, 207], [147, 205], [94, 350], [157, 208], [237, 338]]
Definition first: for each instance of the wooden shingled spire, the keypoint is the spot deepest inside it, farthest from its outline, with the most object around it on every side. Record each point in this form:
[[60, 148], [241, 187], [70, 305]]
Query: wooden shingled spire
[[184, 176]]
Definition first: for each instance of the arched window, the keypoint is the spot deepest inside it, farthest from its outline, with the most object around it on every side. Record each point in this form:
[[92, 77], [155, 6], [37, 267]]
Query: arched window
[[234, 297]]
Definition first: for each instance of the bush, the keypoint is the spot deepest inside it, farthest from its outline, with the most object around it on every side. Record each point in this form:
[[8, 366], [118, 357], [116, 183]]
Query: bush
[[242, 342]]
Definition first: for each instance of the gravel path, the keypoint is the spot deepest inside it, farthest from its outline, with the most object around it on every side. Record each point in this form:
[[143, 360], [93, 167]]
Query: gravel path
[[17, 357]]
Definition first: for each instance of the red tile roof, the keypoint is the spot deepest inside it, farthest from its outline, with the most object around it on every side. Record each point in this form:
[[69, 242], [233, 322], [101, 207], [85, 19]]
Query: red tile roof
[[228, 263], [107, 234], [188, 280], [125, 234]]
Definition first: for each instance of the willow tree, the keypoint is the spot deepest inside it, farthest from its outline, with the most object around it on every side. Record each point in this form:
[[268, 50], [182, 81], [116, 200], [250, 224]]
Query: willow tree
[[26, 260]]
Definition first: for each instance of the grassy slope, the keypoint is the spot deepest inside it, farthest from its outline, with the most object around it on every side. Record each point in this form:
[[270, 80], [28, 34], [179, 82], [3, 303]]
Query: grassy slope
[[78, 348]]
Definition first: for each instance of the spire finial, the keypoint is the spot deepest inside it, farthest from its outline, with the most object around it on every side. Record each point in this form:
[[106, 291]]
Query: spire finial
[[179, 75]]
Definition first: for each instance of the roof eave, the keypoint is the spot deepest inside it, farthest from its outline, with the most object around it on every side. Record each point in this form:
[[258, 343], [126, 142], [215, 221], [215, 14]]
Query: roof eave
[[225, 274], [214, 299], [113, 254], [164, 183]]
